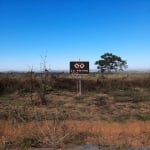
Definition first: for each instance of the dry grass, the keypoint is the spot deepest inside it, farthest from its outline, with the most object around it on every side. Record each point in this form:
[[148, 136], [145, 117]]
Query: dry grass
[[133, 133], [112, 111], [12, 83]]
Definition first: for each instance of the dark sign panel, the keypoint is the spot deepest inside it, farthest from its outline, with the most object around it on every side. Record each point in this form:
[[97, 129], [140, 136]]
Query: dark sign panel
[[79, 67]]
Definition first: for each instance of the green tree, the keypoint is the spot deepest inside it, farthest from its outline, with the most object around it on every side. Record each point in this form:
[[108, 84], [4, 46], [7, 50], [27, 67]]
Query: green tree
[[110, 62]]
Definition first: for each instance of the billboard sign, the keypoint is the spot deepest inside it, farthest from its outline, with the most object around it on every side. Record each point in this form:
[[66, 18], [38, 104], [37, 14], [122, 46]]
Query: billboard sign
[[79, 67]]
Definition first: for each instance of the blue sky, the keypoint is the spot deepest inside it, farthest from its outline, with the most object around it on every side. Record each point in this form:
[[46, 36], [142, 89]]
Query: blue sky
[[69, 30]]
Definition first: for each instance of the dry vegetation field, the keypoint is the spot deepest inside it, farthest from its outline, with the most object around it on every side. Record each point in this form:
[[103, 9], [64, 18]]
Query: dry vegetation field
[[42, 110]]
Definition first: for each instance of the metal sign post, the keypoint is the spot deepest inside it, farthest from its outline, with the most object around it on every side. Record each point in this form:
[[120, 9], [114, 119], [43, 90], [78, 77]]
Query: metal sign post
[[78, 68], [80, 90], [79, 86]]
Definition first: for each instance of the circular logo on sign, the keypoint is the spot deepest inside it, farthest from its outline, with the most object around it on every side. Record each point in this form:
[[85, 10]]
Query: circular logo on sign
[[76, 65], [82, 66], [79, 66]]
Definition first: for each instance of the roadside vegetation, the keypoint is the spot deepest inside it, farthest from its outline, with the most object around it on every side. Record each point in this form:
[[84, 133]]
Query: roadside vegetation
[[43, 110]]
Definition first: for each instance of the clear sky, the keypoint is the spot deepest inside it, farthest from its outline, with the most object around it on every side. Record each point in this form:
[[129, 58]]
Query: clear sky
[[69, 30]]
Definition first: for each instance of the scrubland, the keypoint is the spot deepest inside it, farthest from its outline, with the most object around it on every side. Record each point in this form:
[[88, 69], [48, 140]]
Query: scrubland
[[43, 110]]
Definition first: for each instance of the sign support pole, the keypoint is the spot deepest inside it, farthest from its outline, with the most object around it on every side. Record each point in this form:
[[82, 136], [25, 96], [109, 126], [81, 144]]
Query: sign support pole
[[80, 87], [77, 86], [79, 83]]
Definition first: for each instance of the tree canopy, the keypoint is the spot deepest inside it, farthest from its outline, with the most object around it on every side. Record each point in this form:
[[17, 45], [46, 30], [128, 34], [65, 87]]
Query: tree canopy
[[110, 62]]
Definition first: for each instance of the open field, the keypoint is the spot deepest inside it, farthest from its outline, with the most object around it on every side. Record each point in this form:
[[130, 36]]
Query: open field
[[45, 111]]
